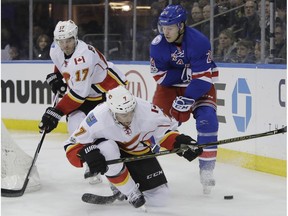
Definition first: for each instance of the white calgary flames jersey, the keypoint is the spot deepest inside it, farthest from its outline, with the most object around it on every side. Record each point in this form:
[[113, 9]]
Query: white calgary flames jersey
[[86, 67], [149, 126], [86, 72]]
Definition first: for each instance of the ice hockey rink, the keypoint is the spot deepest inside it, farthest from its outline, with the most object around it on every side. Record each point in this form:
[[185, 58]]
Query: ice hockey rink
[[255, 193]]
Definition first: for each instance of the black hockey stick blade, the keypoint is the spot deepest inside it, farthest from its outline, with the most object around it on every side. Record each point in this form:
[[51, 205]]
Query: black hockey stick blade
[[20, 192], [103, 200], [14, 193], [98, 199], [283, 130]]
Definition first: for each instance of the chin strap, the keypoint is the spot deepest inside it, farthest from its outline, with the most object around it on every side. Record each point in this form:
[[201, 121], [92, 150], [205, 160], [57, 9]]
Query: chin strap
[[179, 34]]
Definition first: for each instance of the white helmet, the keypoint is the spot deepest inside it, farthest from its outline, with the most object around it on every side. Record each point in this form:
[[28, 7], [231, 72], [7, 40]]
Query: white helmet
[[120, 100], [65, 30]]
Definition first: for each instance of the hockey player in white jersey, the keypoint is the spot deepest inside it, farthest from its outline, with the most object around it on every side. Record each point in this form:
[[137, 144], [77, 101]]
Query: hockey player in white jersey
[[126, 126], [81, 75]]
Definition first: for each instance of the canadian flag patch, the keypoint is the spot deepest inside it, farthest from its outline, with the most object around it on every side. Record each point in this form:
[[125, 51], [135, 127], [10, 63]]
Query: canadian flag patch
[[79, 60]]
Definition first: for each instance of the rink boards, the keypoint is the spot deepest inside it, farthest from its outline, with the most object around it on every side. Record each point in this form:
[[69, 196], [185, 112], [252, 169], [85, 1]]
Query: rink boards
[[251, 99]]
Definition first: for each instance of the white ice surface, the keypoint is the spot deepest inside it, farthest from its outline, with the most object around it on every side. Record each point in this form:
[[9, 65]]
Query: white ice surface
[[255, 193]]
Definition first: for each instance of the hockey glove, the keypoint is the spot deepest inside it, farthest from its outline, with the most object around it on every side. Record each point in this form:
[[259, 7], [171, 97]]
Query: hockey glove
[[50, 119], [181, 108], [190, 153], [56, 83], [94, 159]]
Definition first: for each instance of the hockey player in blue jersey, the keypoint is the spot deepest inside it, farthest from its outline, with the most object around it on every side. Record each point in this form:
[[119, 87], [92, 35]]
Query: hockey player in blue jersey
[[181, 64]]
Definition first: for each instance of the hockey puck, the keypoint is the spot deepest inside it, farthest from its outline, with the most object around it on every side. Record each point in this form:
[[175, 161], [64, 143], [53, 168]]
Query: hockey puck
[[228, 197]]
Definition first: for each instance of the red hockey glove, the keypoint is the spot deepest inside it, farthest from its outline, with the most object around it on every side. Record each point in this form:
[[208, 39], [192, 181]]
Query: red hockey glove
[[181, 108]]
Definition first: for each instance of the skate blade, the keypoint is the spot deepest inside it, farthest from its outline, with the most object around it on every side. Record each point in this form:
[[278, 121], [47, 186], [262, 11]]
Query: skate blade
[[143, 208], [94, 180]]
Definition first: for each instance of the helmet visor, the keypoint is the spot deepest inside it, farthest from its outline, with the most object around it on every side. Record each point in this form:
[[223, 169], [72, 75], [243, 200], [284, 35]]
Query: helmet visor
[[171, 27]]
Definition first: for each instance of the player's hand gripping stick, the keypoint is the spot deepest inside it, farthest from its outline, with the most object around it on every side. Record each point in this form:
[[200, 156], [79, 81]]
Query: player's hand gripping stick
[[184, 141]]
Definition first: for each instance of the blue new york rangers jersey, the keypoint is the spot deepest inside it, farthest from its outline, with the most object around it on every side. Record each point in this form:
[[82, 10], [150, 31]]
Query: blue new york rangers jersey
[[177, 65]]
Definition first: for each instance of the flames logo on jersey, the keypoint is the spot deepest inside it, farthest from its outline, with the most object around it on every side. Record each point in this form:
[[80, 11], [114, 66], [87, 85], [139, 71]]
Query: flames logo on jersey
[[127, 130]]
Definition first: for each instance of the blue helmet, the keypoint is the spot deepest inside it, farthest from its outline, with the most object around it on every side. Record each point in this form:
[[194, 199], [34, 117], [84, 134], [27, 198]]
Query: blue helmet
[[172, 14]]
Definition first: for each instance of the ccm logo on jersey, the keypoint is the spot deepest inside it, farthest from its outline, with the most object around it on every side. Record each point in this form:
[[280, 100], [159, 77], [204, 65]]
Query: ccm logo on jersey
[[153, 175]]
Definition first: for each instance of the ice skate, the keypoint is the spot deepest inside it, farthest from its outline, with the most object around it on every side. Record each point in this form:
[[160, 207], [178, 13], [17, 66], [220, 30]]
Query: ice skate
[[136, 198], [120, 196], [94, 178], [207, 180]]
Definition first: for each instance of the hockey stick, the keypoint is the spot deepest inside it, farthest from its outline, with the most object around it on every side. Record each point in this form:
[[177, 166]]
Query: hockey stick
[[20, 192], [103, 200], [220, 142], [99, 199]]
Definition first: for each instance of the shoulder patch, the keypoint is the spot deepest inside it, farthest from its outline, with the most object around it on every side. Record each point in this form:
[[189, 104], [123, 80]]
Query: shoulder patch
[[91, 119], [156, 40]]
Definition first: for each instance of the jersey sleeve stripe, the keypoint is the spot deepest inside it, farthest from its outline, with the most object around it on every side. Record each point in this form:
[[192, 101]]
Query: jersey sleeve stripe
[[108, 83], [72, 154], [197, 75], [116, 76], [159, 77], [75, 97], [215, 74], [94, 98], [70, 102], [168, 140], [134, 152]]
